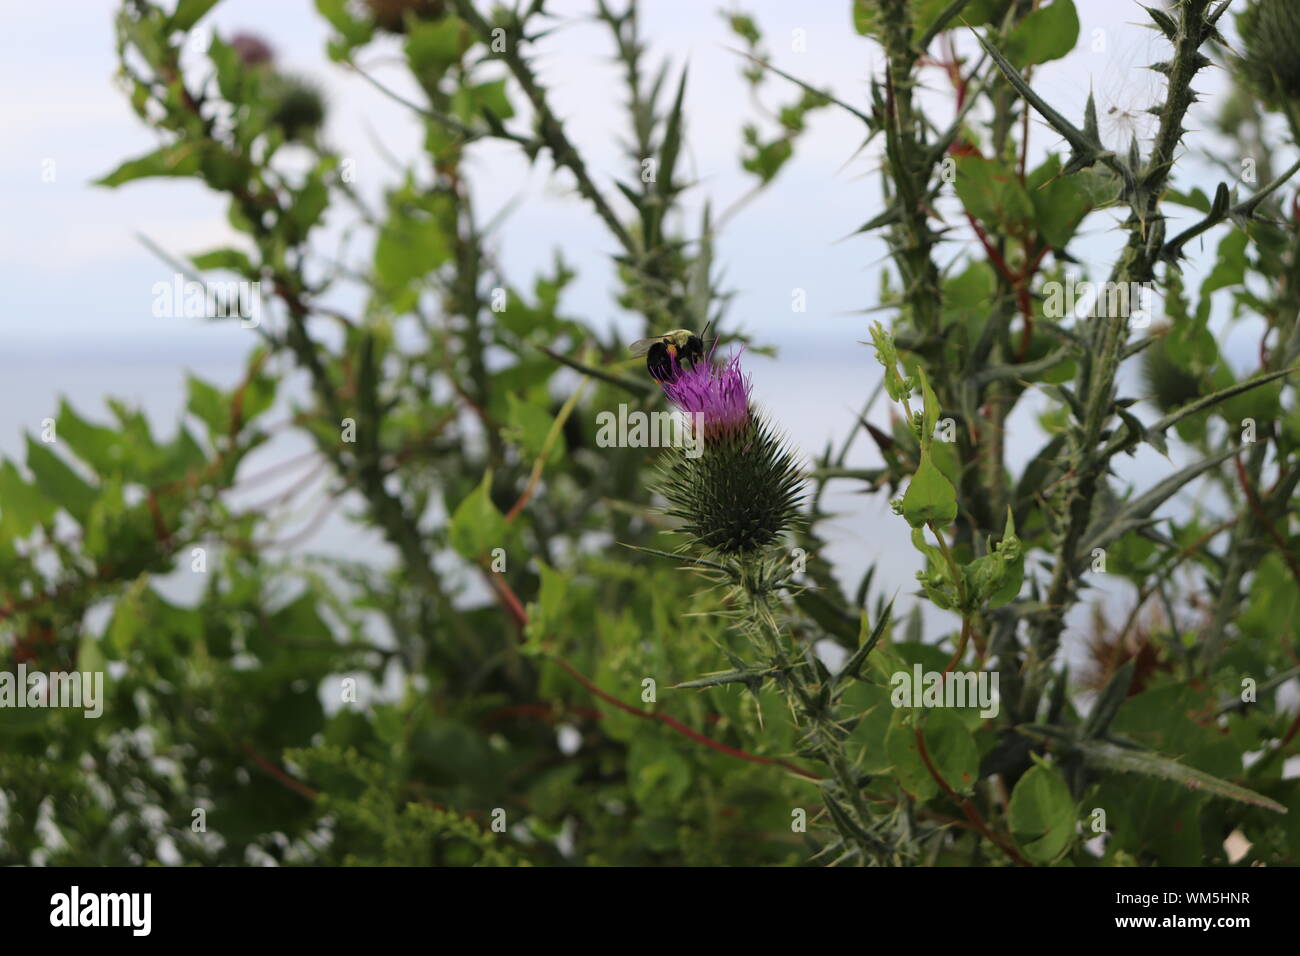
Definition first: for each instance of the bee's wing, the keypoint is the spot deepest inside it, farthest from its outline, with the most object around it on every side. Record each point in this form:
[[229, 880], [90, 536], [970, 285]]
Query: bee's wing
[[641, 346]]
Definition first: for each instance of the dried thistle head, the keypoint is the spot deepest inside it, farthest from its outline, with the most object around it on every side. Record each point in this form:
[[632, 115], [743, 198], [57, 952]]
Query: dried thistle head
[[743, 490], [1109, 650]]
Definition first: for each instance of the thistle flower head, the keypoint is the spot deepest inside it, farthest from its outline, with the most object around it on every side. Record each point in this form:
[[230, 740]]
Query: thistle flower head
[[297, 106], [718, 393], [743, 491], [251, 49]]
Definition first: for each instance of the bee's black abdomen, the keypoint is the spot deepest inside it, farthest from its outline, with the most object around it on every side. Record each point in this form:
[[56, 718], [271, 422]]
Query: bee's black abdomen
[[659, 363], [692, 351]]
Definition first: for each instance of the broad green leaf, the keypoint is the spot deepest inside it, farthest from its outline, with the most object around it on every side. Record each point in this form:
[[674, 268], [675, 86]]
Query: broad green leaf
[[766, 160], [1059, 203], [1240, 401], [909, 768], [528, 426], [353, 31], [434, 45], [408, 248], [1041, 814], [189, 12], [231, 259], [22, 507], [1229, 266], [258, 396], [993, 193], [181, 159], [924, 14], [948, 745], [1274, 600], [929, 497], [310, 202], [468, 103], [1195, 199], [477, 527], [657, 771], [1048, 33], [966, 297], [208, 405], [223, 171], [866, 14], [947, 460], [952, 749], [99, 447], [58, 482]]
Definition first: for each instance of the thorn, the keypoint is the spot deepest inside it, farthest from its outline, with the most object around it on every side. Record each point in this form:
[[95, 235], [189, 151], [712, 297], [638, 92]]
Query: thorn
[[1164, 22]]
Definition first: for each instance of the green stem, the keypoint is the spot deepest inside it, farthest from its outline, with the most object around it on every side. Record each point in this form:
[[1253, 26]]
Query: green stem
[[821, 733]]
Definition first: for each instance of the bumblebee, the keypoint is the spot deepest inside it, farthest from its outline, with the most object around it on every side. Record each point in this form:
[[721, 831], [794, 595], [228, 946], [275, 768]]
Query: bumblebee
[[666, 353]]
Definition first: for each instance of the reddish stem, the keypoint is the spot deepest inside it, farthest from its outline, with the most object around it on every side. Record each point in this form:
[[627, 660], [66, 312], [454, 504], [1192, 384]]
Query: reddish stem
[[968, 808], [511, 603], [679, 726]]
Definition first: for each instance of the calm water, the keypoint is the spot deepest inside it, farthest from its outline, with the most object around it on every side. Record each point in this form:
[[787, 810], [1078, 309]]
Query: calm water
[[814, 397]]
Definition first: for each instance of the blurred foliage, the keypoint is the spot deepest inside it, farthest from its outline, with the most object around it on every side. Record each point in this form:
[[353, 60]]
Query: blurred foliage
[[502, 689]]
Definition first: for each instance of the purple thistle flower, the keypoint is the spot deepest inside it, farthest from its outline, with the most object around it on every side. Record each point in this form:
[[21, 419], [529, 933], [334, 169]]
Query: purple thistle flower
[[746, 490], [251, 49], [719, 393]]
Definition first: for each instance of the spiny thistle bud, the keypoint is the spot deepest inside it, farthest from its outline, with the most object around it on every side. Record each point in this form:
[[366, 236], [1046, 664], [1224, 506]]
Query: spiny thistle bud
[[297, 106], [390, 15], [1270, 35], [1169, 384], [743, 489]]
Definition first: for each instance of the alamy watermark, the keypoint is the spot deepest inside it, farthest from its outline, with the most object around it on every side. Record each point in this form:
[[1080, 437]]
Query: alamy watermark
[[190, 299], [1132, 300], [638, 429], [82, 690], [922, 688], [75, 908]]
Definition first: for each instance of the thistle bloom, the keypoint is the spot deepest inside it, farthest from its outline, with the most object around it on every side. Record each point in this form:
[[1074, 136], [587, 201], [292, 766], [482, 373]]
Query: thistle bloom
[[745, 490], [720, 394], [251, 49]]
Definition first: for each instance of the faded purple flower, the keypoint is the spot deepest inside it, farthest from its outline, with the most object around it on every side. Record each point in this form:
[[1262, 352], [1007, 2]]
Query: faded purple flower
[[718, 392], [251, 49]]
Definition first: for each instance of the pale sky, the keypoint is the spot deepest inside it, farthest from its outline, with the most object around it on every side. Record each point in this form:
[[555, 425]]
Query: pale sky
[[72, 271]]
